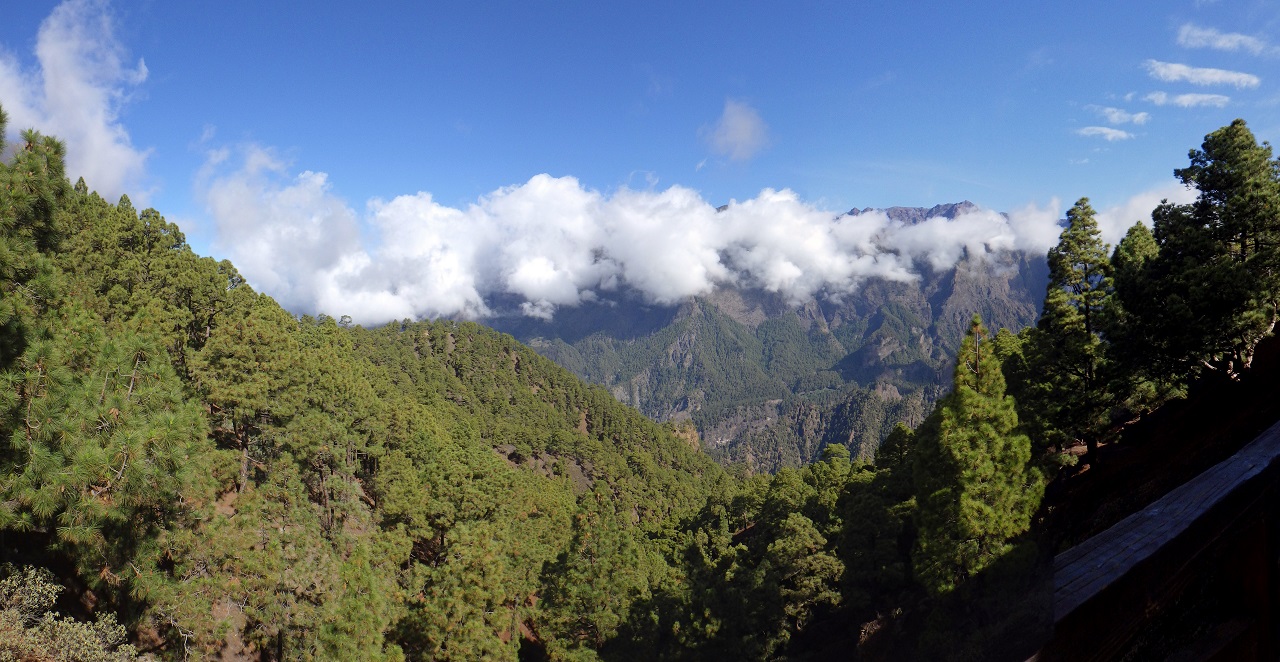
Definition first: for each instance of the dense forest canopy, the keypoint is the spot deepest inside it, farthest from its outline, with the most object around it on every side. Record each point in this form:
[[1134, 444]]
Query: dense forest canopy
[[202, 474]]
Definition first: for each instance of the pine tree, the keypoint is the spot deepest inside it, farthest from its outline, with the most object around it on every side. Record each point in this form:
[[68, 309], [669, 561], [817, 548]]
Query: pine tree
[[1079, 268], [1132, 254], [1213, 289], [32, 185], [975, 487], [875, 543], [245, 372], [1139, 382], [1067, 355]]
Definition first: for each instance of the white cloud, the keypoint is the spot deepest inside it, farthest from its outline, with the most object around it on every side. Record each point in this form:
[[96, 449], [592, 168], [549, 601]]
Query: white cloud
[[1194, 36], [1116, 220], [739, 134], [76, 92], [1188, 100], [289, 235], [1105, 132], [942, 242], [1120, 116], [550, 242], [1172, 72]]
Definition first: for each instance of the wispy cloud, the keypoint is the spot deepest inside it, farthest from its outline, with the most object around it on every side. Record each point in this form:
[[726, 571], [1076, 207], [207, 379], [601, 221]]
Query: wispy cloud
[[1105, 132], [76, 91], [1188, 100], [1194, 36], [1120, 116], [739, 134], [1171, 72]]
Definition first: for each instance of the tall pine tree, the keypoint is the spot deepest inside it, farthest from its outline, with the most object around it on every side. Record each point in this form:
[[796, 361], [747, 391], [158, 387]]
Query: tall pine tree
[[1067, 352], [974, 482]]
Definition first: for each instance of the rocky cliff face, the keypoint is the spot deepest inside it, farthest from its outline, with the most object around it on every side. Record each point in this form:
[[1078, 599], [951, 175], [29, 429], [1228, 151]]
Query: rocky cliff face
[[771, 381]]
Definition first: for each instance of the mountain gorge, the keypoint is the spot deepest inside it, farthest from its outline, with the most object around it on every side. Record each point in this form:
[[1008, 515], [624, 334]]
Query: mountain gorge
[[769, 380]]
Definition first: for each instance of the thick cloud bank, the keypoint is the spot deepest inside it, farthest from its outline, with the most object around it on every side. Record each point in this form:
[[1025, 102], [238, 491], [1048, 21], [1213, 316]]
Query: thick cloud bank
[[551, 242], [75, 93]]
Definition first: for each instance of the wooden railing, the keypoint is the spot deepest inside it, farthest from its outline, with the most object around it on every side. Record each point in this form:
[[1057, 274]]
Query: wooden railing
[[1197, 568]]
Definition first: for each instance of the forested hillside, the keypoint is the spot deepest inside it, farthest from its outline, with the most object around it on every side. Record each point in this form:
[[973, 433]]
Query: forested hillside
[[771, 382], [230, 479], [199, 474]]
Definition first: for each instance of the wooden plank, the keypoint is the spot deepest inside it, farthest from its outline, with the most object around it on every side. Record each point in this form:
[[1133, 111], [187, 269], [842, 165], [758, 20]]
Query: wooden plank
[[1084, 571]]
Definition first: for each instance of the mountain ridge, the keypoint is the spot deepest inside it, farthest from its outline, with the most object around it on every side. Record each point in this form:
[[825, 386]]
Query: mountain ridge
[[762, 375]]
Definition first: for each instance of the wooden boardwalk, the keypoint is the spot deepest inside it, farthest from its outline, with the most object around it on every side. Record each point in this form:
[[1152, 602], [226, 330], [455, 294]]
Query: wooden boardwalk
[[1106, 589]]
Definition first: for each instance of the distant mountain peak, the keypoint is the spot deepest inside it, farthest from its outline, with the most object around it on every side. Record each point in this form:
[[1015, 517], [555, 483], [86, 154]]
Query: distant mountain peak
[[913, 215]]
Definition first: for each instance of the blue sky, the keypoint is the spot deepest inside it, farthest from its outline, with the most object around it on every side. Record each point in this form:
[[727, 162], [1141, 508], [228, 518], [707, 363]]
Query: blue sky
[[317, 145]]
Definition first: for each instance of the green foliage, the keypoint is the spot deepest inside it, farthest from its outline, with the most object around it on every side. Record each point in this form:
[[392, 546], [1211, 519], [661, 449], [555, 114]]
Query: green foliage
[[105, 448], [1212, 290], [878, 505], [246, 371], [1058, 371], [1138, 381], [591, 587], [30, 630], [32, 186], [974, 483], [1135, 250], [245, 482], [138, 270], [263, 572], [763, 561]]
